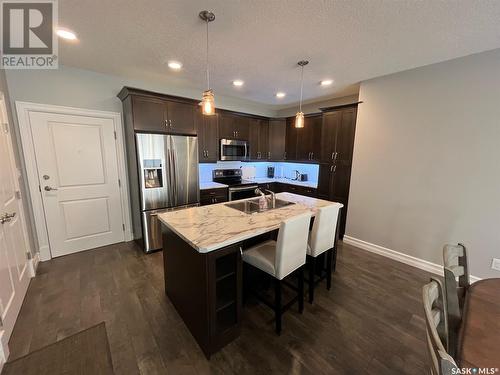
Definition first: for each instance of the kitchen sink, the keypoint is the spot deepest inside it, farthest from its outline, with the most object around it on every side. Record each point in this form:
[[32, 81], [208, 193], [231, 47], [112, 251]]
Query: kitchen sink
[[251, 206]]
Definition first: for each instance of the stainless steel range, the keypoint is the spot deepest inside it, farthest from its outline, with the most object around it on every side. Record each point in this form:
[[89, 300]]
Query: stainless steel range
[[238, 188]]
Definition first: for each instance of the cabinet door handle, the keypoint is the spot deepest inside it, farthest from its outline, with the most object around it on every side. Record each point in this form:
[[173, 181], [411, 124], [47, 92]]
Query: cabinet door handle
[[312, 155], [334, 168], [170, 122], [269, 154], [336, 154], [333, 153], [207, 153], [331, 168], [166, 123]]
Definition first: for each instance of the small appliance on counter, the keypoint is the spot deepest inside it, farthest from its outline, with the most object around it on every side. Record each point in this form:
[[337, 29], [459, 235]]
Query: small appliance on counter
[[270, 172], [300, 176]]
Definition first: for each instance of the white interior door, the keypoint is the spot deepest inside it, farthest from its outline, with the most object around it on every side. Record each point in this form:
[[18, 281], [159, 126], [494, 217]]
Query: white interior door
[[77, 167], [14, 273]]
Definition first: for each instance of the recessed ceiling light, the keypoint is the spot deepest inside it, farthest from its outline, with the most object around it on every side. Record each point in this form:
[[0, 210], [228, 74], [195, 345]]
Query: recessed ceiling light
[[238, 82], [66, 34], [326, 82], [175, 65], [280, 94]]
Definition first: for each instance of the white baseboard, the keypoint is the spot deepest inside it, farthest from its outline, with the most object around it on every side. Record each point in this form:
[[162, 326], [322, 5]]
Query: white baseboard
[[400, 257], [4, 350], [33, 264], [44, 252]]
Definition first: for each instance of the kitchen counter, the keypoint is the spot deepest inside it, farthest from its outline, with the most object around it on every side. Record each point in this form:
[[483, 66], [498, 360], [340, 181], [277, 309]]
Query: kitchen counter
[[266, 180], [203, 267], [211, 185], [215, 226], [262, 180]]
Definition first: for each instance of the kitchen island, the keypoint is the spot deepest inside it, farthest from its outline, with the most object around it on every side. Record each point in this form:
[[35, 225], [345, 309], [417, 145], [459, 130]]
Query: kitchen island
[[202, 249]]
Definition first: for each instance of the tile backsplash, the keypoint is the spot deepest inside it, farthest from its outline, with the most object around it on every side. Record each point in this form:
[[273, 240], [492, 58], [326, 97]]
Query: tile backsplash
[[281, 169]]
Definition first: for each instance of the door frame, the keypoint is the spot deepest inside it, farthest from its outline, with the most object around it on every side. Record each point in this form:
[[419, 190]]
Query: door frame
[[23, 111]]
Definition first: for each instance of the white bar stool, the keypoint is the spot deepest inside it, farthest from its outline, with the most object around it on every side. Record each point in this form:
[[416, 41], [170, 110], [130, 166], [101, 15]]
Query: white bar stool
[[323, 238], [281, 258]]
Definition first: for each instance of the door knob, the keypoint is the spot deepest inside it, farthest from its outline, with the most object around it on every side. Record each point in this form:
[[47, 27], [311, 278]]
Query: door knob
[[49, 188]]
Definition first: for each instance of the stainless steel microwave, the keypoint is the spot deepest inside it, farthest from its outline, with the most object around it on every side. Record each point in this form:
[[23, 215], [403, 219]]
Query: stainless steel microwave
[[232, 149]]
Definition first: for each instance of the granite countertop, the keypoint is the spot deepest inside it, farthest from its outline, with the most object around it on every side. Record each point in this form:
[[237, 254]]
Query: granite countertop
[[265, 180], [211, 185], [262, 180], [212, 227]]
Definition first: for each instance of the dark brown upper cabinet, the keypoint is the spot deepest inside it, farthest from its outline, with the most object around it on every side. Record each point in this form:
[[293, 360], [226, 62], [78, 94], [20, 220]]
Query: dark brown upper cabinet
[[208, 138], [345, 135], [309, 139], [232, 126], [331, 121], [337, 136], [148, 114], [291, 139], [259, 139], [162, 116], [277, 136], [180, 118]]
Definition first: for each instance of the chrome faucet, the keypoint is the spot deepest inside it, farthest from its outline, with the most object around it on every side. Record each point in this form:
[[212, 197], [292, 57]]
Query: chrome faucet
[[297, 175], [273, 197], [258, 191]]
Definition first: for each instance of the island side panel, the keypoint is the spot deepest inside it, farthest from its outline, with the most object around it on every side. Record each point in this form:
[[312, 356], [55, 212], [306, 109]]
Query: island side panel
[[186, 285]]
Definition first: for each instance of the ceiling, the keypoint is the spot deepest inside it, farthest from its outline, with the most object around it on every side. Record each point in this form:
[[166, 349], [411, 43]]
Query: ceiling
[[260, 41]]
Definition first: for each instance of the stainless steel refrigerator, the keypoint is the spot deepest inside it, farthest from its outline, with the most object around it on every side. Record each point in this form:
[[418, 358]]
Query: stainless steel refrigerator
[[168, 179]]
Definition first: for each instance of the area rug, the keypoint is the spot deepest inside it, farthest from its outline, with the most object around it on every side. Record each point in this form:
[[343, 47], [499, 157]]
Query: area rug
[[84, 353]]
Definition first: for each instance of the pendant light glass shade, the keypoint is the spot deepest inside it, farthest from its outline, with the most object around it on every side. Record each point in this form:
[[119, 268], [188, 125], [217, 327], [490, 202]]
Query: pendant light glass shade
[[299, 117], [208, 103], [299, 120]]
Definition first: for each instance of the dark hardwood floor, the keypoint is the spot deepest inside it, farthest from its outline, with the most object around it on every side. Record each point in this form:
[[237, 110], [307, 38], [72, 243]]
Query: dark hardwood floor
[[371, 321]]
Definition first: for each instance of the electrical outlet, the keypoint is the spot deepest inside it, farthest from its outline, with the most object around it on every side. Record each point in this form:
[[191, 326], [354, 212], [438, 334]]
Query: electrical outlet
[[495, 264]]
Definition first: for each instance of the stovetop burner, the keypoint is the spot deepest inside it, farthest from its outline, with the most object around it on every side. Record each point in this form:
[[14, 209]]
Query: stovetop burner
[[231, 177]]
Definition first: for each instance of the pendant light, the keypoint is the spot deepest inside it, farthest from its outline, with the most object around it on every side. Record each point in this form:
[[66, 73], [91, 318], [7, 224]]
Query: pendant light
[[299, 117], [207, 101]]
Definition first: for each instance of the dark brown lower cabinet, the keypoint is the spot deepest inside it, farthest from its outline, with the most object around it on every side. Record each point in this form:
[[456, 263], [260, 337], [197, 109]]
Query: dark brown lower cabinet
[[296, 189], [333, 185], [212, 196], [205, 289]]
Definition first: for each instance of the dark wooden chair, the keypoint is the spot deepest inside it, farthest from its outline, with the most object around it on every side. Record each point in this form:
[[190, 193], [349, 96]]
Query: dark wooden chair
[[436, 322], [455, 267]]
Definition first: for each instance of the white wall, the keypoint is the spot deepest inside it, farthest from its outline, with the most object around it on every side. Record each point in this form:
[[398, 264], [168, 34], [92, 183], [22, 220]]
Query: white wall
[[426, 167], [73, 87], [19, 164], [314, 107]]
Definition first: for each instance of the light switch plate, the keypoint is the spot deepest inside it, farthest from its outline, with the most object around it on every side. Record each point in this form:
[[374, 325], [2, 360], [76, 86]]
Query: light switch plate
[[495, 264]]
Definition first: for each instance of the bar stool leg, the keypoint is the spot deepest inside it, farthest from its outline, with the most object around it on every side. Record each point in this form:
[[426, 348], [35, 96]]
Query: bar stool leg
[[329, 260], [277, 305], [301, 289], [334, 258], [312, 271]]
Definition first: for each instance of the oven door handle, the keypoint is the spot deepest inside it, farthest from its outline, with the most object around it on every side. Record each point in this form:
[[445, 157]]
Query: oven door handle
[[251, 187]]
